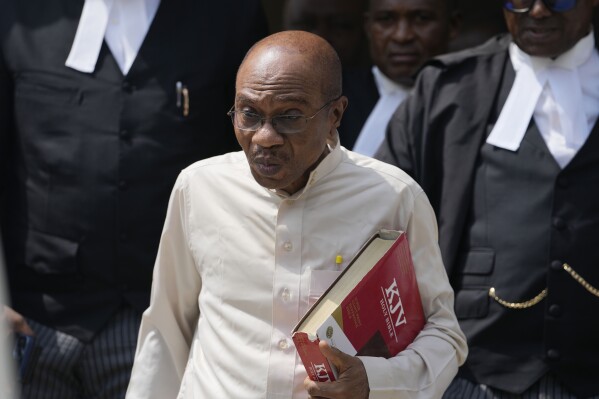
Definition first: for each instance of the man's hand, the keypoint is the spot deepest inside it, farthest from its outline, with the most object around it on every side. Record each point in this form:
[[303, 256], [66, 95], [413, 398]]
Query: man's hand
[[16, 322], [352, 382]]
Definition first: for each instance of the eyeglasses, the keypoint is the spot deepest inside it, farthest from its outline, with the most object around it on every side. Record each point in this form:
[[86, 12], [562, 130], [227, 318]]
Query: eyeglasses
[[524, 6], [284, 124]]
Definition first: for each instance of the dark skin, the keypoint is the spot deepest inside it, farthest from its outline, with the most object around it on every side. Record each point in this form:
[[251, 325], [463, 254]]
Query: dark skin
[[284, 74], [543, 33], [404, 34], [352, 382], [275, 81], [340, 22], [15, 321]]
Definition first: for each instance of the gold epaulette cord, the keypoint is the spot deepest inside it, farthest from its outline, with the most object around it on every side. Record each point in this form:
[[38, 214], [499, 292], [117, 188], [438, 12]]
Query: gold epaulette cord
[[518, 305], [538, 298], [580, 280]]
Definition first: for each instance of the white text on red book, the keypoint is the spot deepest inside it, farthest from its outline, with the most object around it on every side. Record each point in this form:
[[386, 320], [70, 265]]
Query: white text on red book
[[321, 373], [395, 305]]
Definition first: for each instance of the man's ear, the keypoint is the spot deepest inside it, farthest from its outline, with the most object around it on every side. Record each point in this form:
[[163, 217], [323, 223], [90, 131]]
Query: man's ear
[[338, 108], [335, 115]]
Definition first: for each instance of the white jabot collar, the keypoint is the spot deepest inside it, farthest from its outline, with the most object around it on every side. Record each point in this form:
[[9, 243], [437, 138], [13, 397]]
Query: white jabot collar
[[373, 132], [124, 25], [534, 76], [384, 84]]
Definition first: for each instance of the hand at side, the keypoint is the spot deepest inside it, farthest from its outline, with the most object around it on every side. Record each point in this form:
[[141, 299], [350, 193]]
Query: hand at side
[[16, 322]]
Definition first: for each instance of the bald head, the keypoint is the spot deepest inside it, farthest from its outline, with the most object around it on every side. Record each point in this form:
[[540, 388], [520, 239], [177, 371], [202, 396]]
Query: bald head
[[313, 60], [288, 106]]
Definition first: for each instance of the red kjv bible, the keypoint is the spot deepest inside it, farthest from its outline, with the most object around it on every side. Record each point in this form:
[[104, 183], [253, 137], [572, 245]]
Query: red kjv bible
[[372, 309]]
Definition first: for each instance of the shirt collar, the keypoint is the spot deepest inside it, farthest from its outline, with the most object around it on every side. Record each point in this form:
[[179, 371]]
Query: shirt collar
[[385, 85]]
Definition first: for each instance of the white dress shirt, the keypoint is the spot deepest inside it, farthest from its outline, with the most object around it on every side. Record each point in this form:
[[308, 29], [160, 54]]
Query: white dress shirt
[[122, 23], [562, 95], [373, 132], [238, 265]]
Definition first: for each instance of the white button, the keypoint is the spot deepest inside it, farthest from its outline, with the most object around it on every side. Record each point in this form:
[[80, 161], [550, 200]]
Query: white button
[[285, 295], [288, 246], [283, 344]]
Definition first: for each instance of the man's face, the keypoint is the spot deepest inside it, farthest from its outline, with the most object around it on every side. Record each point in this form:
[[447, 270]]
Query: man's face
[[544, 33], [276, 83], [404, 34], [340, 22]]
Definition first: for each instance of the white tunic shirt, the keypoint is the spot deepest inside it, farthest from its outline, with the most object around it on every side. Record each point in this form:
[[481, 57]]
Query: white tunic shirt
[[238, 265]]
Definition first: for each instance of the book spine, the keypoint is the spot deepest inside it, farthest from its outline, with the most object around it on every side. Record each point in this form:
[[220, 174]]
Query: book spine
[[316, 364]]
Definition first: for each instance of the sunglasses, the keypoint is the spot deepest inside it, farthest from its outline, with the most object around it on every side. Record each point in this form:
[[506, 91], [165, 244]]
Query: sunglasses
[[523, 6]]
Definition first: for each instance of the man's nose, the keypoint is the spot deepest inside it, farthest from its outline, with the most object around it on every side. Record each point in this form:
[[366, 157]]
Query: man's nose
[[403, 31], [539, 10], [266, 135]]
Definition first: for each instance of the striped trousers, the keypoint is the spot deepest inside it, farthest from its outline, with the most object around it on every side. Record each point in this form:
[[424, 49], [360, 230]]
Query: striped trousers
[[546, 388], [67, 368]]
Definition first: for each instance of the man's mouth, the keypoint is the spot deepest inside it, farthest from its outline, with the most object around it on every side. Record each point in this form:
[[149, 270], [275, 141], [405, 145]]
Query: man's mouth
[[267, 167], [539, 32], [404, 57]]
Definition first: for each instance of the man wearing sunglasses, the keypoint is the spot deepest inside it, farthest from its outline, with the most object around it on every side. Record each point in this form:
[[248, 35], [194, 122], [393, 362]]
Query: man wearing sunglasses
[[504, 140]]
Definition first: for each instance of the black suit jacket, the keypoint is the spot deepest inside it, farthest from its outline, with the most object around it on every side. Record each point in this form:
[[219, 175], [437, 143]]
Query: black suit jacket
[[460, 102], [436, 136], [360, 88], [89, 160]]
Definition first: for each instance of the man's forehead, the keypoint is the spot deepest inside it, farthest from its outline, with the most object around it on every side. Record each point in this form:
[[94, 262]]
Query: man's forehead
[[274, 54], [285, 83], [287, 96], [277, 64]]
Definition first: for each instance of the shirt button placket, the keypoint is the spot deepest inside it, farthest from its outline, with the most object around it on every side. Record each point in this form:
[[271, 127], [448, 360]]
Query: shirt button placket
[[283, 344]]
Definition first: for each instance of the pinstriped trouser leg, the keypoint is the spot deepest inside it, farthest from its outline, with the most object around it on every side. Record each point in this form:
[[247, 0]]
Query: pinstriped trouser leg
[[70, 369], [546, 388]]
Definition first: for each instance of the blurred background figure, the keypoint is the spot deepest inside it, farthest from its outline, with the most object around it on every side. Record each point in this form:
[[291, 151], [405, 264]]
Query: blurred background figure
[[504, 139], [340, 22], [480, 21], [402, 36], [102, 103]]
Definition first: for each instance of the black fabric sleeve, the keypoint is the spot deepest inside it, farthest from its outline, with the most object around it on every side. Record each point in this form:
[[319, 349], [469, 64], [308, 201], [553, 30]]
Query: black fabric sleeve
[[407, 129], [6, 122]]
